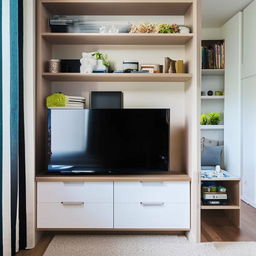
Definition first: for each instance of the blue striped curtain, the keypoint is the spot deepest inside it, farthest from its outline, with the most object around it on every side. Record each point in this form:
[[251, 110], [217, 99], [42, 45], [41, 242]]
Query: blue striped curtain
[[13, 216], [1, 135]]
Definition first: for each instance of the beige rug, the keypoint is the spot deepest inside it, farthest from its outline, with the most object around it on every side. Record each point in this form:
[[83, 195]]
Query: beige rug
[[127, 245]]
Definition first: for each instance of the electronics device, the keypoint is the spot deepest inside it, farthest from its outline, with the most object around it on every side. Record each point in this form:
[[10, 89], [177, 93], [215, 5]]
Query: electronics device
[[111, 141], [106, 99]]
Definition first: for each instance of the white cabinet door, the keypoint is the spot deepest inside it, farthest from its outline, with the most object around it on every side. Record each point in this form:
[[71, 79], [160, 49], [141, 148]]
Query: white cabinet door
[[249, 40], [74, 205], [152, 205], [249, 140]]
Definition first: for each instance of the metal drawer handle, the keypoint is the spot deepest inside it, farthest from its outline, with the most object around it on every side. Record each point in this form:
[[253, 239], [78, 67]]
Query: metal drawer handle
[[152, 203], [72, 203]]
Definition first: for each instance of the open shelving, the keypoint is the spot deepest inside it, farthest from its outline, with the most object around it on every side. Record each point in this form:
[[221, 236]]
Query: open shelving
[[117, 77], [212, 127], [117, 39], [213, 72], [212, 97]]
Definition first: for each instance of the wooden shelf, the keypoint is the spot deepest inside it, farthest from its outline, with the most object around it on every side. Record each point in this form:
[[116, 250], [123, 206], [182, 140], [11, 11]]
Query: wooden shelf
[[117, 77], [116, 7], [117, 39], [149, 178], [212, 127], [213, 72], [212, 97], [220, 207]]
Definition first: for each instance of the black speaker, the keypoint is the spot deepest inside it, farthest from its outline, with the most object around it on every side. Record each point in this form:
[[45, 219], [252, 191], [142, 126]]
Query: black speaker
[[101, 100]]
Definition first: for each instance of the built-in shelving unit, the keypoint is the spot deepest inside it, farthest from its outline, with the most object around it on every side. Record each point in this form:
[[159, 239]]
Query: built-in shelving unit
[[187, 136], [213, 72], [220, 207], [112, 77], [212, 127], [117, 39], [212, 97]]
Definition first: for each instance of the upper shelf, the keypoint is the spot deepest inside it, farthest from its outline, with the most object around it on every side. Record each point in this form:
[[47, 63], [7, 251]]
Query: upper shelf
[[213, 72], [116, 77], [116, 7], [117, 39]]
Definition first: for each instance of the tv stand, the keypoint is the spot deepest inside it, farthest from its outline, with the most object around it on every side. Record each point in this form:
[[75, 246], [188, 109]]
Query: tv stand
[[139, 203]]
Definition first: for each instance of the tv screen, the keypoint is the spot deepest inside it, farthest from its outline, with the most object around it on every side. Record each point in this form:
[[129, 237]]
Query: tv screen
[[115, 141]]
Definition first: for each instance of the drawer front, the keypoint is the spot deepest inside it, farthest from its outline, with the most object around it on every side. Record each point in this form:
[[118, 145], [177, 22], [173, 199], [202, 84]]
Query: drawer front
[[152, 215], [134, 192], [90, 192], [68, 215]]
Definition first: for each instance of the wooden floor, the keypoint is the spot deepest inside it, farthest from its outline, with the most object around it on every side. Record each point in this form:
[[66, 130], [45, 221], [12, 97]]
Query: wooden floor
[[39, 249], [218, 228]]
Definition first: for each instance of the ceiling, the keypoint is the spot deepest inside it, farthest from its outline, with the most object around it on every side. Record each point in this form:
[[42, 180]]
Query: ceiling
[[216, 12]]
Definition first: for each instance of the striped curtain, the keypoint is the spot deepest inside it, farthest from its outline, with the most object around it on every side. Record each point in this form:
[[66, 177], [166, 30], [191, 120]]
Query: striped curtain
[[13, 172]]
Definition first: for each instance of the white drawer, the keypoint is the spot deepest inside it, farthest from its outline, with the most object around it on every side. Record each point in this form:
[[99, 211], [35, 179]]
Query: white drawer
[[133, 192], [56, 192], [166, 216], [88, 215]]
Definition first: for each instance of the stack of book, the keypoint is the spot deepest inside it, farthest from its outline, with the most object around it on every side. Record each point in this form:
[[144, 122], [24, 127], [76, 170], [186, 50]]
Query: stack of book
[[60, 100], [75, 102], [213, 56]]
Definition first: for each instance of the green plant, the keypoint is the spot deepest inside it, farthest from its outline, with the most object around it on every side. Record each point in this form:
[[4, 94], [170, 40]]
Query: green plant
[[103, 57], [168, 29], [213, 118], [203, 119]]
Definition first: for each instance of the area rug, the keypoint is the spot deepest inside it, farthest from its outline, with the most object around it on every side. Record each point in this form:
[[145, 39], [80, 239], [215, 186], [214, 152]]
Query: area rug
[[127, 245]]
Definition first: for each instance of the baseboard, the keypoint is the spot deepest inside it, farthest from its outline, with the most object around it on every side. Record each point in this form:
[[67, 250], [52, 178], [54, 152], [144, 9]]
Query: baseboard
[[248, 201]]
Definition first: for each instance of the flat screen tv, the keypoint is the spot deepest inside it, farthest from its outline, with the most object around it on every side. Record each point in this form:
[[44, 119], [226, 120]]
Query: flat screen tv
[[108, 141]]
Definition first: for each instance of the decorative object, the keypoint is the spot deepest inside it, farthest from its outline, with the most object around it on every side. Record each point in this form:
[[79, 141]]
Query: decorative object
[[203, 93], [59, 100], [152, 68], [130, 66], [184, 30], [179, 66], [94, 62], [155, 28], [144, 28], [210, 93], [70, 65], [219, 93], [168, 29], [167, 63], [54, 66], [106, 99]]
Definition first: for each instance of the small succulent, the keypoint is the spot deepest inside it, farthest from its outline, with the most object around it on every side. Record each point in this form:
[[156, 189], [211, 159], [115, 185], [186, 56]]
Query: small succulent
[[213, 118], [203, 119]]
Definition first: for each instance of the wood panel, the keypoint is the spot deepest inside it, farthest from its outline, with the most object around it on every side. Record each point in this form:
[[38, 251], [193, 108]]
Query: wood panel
[[117, 77], [218, 226], [149, 178], [131, 7], [117, 39], [219, 207]]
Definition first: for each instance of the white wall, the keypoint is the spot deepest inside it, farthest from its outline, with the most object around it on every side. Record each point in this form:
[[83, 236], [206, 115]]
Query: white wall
[[249, 106], [232, 32]]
